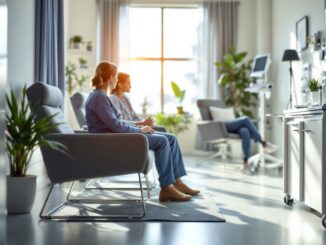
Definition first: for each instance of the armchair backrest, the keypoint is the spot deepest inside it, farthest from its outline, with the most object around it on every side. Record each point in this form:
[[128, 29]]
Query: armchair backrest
[[48, 101], [78, 101], [203, 106]]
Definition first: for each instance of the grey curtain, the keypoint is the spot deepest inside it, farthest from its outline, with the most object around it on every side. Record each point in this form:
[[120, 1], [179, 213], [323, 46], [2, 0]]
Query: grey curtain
[[49, 43], [108, 11], [218, 34]]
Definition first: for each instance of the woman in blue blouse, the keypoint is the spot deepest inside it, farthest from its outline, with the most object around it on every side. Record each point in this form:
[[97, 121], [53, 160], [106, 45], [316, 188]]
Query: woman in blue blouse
[[102, 117]]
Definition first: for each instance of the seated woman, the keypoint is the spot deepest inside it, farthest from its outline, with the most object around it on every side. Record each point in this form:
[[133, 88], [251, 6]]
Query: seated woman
[[122, 103], [102, 116]]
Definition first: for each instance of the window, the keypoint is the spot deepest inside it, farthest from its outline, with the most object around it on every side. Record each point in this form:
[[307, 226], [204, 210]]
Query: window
[[162, 48]]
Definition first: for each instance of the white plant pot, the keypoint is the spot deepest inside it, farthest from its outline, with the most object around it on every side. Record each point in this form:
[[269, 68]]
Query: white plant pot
[[20, 194], [314, 98]]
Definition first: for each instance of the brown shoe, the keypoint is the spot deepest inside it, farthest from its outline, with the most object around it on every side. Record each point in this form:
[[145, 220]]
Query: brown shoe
[[186, 190], [172, 194]]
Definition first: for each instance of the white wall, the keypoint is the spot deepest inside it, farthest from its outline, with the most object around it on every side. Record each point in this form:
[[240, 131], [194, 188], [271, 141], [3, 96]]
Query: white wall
[[80, 19], [285, 14], [21, 42], [247, 40]]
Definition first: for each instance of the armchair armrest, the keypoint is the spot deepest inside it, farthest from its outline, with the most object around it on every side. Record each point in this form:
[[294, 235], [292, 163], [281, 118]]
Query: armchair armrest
[[95, 155]]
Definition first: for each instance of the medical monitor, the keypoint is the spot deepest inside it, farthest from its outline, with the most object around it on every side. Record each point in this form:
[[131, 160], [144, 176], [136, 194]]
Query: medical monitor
[[260, 65]]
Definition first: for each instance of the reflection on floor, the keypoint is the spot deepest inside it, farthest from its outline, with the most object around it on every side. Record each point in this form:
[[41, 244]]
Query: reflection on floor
[[252, 205]]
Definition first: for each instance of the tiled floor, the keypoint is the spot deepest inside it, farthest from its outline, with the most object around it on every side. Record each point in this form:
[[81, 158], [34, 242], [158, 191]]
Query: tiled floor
[[252, 205]]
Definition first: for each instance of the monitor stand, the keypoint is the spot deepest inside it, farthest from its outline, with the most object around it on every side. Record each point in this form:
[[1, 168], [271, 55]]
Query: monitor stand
[[259, 160]]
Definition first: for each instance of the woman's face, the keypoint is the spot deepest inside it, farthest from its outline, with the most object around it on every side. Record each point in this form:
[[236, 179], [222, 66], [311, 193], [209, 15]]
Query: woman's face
[[125, 86], [113, 81]]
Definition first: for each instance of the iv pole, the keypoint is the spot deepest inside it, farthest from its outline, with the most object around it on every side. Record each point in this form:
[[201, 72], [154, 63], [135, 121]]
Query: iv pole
[[258, 160]]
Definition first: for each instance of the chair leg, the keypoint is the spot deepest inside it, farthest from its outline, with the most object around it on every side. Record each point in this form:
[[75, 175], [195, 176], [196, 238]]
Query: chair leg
[[148, 187], [81, 202]]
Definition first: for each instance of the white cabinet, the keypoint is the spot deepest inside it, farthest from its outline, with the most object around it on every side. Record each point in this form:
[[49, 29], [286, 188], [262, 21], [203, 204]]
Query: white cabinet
[[304, 161], [294, 160], [313, 190]]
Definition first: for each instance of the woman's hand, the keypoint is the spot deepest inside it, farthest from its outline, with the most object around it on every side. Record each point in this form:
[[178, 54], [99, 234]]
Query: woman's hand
[[147, 130], [146, 122]]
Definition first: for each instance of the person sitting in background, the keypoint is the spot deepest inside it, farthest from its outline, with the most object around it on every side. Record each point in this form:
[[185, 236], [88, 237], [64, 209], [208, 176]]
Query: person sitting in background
[[247, 131], [102, 117], [122, 103]]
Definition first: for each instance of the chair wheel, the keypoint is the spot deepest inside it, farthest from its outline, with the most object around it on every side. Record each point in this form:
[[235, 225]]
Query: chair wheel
[[288, 200], [323, 221]]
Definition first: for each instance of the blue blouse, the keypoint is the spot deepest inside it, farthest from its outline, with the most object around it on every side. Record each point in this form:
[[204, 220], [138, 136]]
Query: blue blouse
[[102, 116]]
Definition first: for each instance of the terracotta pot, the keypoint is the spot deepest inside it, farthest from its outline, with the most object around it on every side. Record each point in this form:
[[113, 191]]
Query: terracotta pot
[[20, 194]]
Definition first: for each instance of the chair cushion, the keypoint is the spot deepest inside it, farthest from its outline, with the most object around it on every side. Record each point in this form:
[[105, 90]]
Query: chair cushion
[[222, 114]]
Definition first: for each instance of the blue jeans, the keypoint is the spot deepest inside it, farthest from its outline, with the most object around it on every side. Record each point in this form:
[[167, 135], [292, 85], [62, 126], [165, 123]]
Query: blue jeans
[[168, 158], [247, 131]]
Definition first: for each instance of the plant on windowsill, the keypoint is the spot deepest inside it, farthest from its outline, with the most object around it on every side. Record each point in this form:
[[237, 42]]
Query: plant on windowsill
[[23, 136], [180, 95], [173, 123], [234, 79], [314, 85]]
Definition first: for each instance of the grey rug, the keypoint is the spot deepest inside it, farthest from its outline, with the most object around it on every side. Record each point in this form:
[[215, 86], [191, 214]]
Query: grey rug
[[201, 208]]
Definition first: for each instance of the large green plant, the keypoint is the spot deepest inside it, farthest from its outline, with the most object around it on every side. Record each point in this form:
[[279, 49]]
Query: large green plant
[[234, 79], [23, 135]]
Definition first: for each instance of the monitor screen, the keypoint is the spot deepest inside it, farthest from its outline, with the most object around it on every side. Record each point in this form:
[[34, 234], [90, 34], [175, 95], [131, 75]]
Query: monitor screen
[[260, 65]]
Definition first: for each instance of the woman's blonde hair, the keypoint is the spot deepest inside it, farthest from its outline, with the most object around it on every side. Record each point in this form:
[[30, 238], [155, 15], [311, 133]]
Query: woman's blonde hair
[[103, 71], [122, 78]]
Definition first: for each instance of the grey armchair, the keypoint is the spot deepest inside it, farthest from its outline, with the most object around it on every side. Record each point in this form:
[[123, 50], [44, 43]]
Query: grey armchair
[[90, 155], [78, 101], [212, 133]]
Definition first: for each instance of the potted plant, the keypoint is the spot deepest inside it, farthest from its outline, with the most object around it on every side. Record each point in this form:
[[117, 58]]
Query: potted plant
[[82, 63], [23, 136], [89, 46], [314, 85], [180, 95], [234, 79], [175, 124], [76, 41]]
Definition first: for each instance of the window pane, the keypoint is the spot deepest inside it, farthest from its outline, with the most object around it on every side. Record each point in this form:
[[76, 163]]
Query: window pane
[[145, 32], [145, 82], [180, 32], [184, 74]]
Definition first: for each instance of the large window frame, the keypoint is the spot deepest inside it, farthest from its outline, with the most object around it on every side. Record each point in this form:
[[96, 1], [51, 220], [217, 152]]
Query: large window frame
[[162, 59]]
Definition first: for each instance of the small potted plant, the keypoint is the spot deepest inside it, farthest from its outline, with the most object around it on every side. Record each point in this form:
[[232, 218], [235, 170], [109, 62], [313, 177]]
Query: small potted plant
[[82, 63], [314, 85], [23, 136], [76, 41], [180, 95]]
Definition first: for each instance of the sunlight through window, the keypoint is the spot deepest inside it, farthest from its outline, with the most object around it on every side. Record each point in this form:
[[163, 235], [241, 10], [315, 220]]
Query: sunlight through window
[[162, 48]]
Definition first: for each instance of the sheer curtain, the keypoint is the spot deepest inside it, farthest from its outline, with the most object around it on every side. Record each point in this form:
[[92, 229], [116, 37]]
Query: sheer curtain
[[49, 43], [217, 34], [113, 16]]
